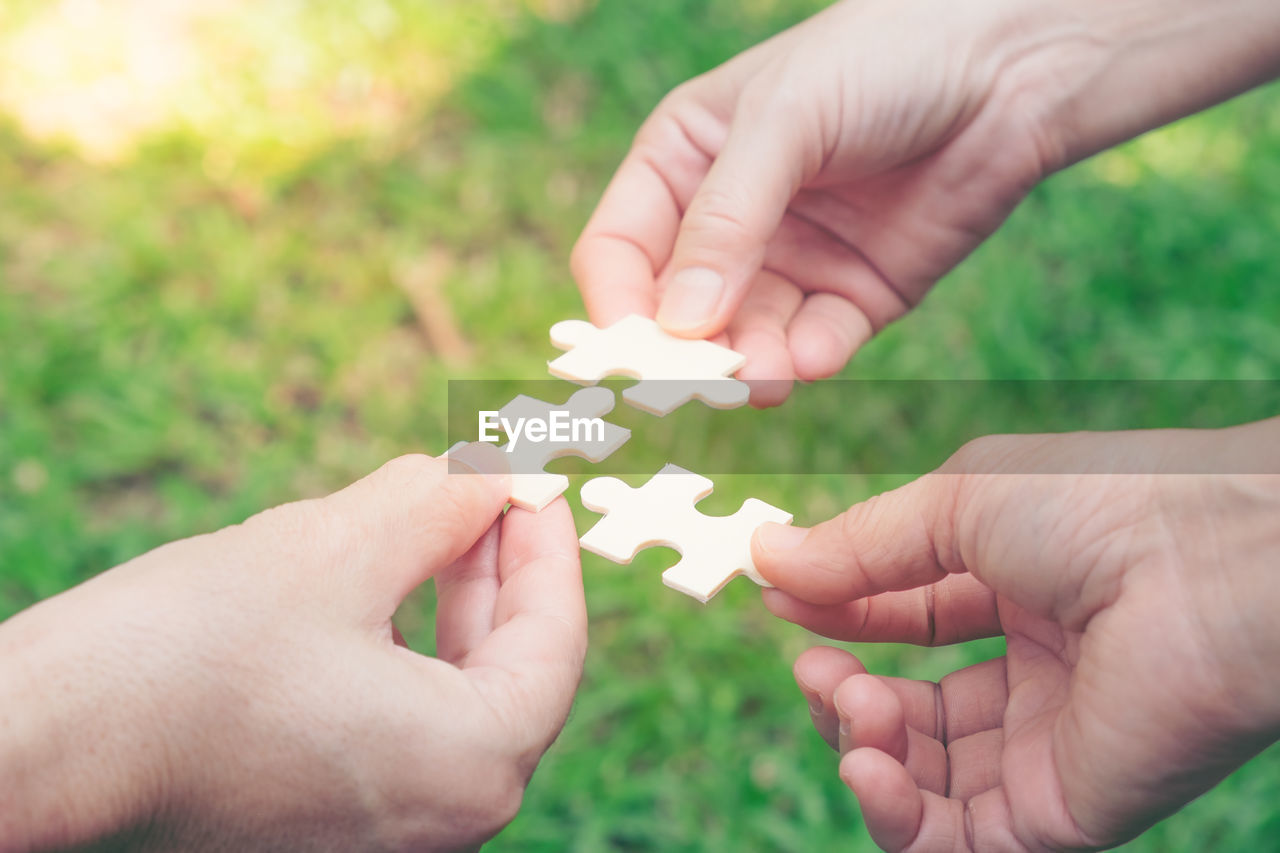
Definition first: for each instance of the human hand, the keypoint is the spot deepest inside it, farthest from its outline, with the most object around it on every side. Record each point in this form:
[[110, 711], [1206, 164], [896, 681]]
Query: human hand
[[242, 690], [813, 188], [809, 191], [1139, 613]]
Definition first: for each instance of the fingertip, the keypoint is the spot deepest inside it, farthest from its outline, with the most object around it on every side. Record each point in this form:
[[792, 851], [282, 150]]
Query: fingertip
[[817, 672], [824, 668], [778, 602], [483, 461], [550, 532], [771, 543], [873, 714], [767, 371], [892, 805], [824, 335]]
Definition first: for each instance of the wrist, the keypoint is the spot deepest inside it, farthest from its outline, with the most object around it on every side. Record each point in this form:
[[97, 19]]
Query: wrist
[[1084, 76], [77, 765]]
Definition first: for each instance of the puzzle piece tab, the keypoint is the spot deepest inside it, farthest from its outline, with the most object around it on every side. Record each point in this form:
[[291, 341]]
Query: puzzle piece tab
[[672, 371], [713, 549], [532, 488]]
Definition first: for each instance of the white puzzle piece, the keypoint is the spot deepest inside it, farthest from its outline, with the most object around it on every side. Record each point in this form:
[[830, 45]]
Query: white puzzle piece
[[637, 346], [531, 487], [713, 549]]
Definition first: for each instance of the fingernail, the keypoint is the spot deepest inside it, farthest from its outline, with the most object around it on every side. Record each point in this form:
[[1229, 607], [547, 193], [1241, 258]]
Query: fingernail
[[780, 537], [815, 701], [690, 299], [843, 718]]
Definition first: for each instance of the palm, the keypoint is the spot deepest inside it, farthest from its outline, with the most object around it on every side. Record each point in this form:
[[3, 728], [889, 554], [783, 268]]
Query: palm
[[1041, 661]]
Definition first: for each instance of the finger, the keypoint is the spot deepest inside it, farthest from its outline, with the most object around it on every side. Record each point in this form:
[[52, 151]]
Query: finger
[[630, 235], [974, 699], [990, 825], [826, 332], [758, 331], [626, 242], [819, 671], [532, 661], [737, 208], [823, 259], [898, 540], [822, 669], [964, 702], [956, 609], [615, 277], [974, 763], [899, 816], [466, 592], [871, 714], [892, 805], [396, 527]]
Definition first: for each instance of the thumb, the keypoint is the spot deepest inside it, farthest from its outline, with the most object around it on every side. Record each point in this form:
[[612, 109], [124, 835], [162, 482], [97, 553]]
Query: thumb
[[413, 516], [898, 540], [731, 218]]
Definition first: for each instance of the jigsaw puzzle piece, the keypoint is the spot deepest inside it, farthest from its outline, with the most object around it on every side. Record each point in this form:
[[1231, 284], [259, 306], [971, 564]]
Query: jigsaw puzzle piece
[[672, 370], [532, 488], [663, 396], [713, 549], [723, 551], [581, 362], [637, 518]]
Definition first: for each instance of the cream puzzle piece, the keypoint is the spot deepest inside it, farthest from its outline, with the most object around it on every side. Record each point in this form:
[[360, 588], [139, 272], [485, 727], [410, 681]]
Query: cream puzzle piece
[[531, 487], [713, 549], [637, 346]]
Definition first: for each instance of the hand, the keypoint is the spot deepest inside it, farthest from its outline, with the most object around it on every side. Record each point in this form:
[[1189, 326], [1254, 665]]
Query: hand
[[1139, 614], [812, 189], [243, 691]]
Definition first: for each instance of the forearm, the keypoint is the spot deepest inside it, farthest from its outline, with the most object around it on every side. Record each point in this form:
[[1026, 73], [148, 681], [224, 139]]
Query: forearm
[[1092, 74]]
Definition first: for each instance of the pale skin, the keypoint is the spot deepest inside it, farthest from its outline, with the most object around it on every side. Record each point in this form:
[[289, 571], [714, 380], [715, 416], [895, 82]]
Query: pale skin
[[798, 198], [246, 690], [1138, 609]]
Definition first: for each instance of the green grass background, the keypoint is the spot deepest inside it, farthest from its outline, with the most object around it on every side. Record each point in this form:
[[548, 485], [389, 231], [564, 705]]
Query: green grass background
[[215, 322]]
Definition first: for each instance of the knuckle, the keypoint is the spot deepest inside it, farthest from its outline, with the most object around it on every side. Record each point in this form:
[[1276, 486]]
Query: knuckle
[[505, 799], [578, 257], [987, 453], [780, 96], [714, 220], [412, 469], [676, 101], [664, 130]]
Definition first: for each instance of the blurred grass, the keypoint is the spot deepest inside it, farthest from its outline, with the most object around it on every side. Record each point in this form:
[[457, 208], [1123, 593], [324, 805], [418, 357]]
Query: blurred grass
[[220, 317]]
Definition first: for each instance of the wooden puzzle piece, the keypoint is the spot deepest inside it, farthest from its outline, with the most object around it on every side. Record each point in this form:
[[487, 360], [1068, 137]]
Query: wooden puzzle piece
[[672, 371], [713, 549], [531, 487]]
